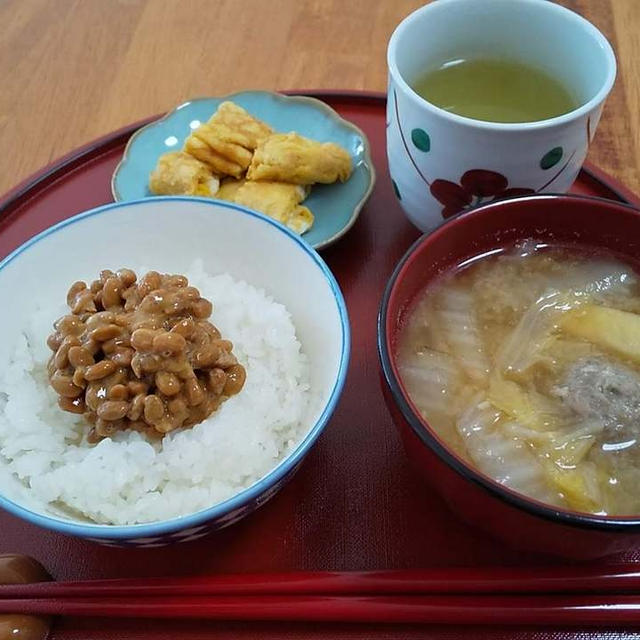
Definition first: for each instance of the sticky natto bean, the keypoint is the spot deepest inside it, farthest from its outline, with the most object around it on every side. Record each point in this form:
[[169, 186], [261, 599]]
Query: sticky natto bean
[[73, 405], [105, 274], [130, 301], [225, 360], [80, 357], [106, 428], [167, 383], [153, 321], [185, 328], [63, 385], [78, 378], [153, 409], [236, 376], [92, 347], [72, 341], [61, 359], [69, 325], [211, 330], [111, 293], [92, 395], [99, 319], [167, 424], [201, 308], [120, 376], [74, 290], [137, 386], [178, 365], [137, 407], [206, 356], [177, 407], [83, 303], [153, 304], [136, 365], [108, 346], [181, 368], [126, 276], [99, 370], [118, 392], [54, 341], [199, 336], [105, 332], [176, 281], [193, 391], [142, 339], [122, 356], [150, 362], [171, 343], [113, 410], [216, 379], [149, 282], [184, 297]]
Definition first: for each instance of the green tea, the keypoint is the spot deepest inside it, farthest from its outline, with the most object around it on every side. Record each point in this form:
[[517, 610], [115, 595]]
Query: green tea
[[495, 90]]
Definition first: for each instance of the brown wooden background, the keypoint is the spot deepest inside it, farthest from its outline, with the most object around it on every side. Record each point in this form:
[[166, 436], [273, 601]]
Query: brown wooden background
[[72, 70]]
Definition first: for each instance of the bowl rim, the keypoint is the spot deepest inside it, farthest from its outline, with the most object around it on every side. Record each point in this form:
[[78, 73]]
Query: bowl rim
[[285, 99], [271, 479], [422, 428]]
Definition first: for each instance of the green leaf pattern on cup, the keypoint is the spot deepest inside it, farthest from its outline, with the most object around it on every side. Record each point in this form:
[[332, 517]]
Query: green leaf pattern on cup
[[551, 158], [421, 140]]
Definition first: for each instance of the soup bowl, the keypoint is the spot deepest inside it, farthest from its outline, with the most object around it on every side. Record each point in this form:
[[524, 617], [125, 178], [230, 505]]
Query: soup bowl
[[168, 234], [514, 518]]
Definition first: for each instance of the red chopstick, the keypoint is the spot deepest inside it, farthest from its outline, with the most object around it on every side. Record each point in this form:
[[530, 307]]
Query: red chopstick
[[582, 611], [602, 580]]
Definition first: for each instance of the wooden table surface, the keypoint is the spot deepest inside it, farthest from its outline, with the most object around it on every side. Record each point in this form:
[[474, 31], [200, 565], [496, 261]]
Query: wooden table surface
[[72, 70]]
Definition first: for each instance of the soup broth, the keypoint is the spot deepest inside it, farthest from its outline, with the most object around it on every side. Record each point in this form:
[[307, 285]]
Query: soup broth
[[527, 364]]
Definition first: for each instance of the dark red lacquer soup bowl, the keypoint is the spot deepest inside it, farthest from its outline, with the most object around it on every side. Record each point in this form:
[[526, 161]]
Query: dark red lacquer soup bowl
[[512, 517]]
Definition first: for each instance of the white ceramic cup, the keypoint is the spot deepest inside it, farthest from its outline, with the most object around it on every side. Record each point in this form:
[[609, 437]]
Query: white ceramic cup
[[441, 163]]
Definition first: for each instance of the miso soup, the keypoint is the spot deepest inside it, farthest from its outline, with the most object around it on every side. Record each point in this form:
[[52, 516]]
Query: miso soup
[[527, 364]]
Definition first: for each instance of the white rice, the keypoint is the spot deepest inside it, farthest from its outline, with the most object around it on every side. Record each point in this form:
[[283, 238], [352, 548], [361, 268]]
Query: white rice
[[127, 479]]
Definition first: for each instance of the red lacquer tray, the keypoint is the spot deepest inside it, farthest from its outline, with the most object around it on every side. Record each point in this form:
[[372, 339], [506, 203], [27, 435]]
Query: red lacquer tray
[[354, 504]]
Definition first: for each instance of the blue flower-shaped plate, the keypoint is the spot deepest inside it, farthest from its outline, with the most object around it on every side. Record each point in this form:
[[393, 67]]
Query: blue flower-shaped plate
[[335, 206]]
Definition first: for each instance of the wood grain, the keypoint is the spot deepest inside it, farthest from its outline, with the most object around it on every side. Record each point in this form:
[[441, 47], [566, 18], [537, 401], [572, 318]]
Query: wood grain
[[73, 70]]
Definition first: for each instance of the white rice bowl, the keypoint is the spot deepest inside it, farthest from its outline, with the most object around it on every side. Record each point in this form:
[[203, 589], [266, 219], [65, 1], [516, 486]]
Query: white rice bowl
[[128, 480]]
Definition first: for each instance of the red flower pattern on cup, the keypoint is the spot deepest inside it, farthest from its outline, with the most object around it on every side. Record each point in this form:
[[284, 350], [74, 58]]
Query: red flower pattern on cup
[[476, 186]]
